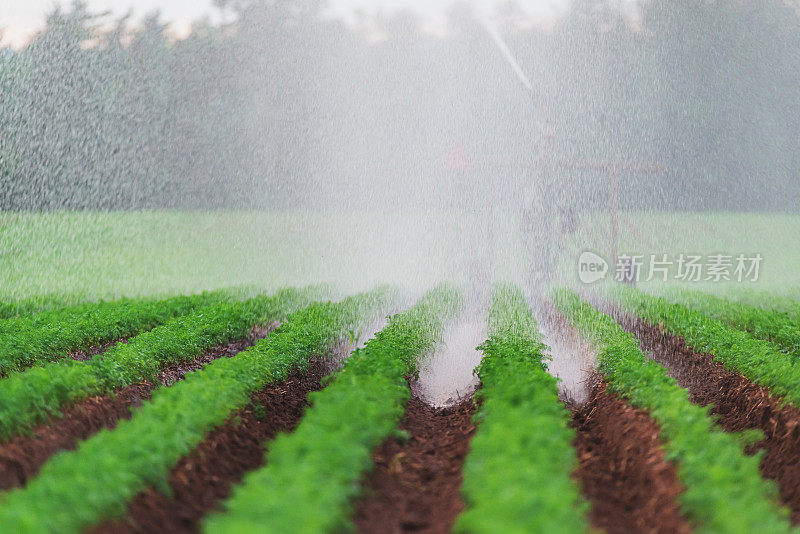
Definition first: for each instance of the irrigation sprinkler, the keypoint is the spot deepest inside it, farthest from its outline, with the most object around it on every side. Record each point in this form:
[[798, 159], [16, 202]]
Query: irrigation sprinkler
[[613, 168]]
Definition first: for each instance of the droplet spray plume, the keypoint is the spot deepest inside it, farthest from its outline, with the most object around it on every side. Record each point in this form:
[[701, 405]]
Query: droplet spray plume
[[507, 54]]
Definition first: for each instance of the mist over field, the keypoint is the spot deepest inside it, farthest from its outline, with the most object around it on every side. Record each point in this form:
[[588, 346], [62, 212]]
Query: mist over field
[[478, 266], [493, 141], [287, 107]]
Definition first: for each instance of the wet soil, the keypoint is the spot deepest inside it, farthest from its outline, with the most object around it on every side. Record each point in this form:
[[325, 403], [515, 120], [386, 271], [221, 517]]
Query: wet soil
[[622, 468], [23, 456], [415, 486], [88, 354], [737, 403], [205, 477], [77, 355]]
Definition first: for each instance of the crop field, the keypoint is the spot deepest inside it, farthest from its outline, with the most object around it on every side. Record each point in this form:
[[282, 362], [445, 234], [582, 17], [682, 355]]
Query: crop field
[[203, 407], [399, 267], [230, 412]]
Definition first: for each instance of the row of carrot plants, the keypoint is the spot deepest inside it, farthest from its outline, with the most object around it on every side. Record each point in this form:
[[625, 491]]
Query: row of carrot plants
[[85, 310], [517, 474], [724, 490], [32, 396], [312, 475], [756, 359], [50, 336], [52, 307], [787, 303], [77, 489], [33, 305], [766, 324]]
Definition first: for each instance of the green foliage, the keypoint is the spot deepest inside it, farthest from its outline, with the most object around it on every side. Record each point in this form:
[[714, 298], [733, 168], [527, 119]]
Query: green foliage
[[32, 305], [783, 304], [54, 307], [756, 359], [786, 300], [51, 335], [517, 474], [28, 398], [312, 475], [766, 324], [724, 489], [80, 488]]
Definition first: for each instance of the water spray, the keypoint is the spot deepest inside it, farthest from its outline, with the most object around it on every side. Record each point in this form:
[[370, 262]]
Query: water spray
[[612, 168], [533, 214], [507, 54]]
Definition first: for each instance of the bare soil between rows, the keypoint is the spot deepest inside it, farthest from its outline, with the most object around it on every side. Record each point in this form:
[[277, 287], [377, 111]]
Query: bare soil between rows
[[88, 354], [416, 483], [737, 403], [77, 355], [206, 476], [22, 457], [622, 468]]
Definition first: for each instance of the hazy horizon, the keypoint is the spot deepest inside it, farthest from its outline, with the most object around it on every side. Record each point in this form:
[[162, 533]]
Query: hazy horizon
[[20, 22]]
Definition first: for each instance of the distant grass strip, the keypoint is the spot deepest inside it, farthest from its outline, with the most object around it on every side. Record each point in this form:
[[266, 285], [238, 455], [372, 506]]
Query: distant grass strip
[[787, 302], [86, 310], [312, 475], [766, 324], [31, 397], [50, 336], [517, 476], [756, 359], [81, 488], [32, 305], [724, 489]]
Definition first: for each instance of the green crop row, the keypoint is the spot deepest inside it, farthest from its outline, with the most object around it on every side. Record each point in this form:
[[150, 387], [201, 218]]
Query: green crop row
[[312, 475], [33, 305], [517, 474], [75, 312], [52, 308], [788, 303], [724, 490], [31, 397], [81, 488], [766, 324], [756, 359], [50, 336]]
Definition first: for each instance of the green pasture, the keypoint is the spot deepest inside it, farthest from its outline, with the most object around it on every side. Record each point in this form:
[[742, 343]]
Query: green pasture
[[65, 256], [88, 255], [775, 236]]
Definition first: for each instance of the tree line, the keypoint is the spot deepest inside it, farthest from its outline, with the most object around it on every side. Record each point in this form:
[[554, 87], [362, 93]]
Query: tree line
[[288, 108]]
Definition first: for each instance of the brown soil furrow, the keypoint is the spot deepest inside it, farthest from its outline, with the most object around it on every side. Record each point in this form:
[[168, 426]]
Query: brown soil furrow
[[88, 354], [416, 484], [206, 476], [23, 456], [622, 468], [737, 403], [77, 355]]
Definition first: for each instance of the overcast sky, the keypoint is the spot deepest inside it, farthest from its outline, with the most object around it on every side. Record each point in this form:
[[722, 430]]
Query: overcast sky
[[21, 18]]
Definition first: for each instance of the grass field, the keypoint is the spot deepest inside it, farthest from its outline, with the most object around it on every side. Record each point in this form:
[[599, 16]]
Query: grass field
[[91, 255], [105, 255], [776, 237]]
